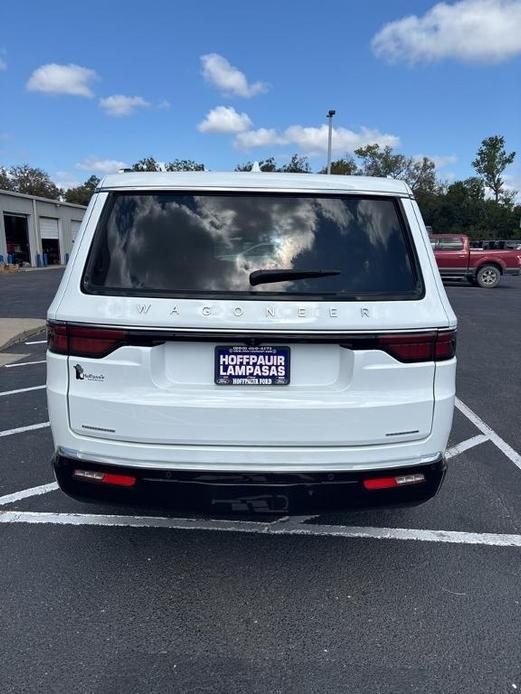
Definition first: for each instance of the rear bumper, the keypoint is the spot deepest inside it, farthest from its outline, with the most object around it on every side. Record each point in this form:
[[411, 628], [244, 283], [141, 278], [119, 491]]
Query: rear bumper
[[216, 493]]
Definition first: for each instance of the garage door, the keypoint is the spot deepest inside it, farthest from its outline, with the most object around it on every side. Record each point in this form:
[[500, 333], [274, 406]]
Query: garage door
[[75, 227], [49, 228]]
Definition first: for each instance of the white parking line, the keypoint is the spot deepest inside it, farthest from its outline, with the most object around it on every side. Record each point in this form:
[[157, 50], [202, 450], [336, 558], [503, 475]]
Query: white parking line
[[26, 493], [20, 390], [37, 342], [418, 534], [465, 445], [20, 430], [503, 446], [23, 363]]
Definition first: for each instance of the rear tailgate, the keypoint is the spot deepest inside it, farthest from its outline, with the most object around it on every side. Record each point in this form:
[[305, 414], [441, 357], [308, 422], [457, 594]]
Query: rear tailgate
[[178, 265], [166, 394]]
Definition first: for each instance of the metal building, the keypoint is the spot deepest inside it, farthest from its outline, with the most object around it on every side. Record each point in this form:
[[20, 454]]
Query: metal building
[[37, 231]]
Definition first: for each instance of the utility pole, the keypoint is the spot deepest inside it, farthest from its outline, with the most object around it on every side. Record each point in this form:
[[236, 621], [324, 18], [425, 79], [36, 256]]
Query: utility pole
[[329, 116]]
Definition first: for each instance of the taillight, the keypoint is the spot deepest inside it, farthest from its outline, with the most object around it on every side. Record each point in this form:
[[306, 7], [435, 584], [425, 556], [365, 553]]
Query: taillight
[[81, 341], [417, 347], [445, 347], [94, 342], [409, 347], [57, 339]]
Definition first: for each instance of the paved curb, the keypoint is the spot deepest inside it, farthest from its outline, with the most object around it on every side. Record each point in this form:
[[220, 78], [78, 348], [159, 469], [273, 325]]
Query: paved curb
[[47, 268], [19, 337]]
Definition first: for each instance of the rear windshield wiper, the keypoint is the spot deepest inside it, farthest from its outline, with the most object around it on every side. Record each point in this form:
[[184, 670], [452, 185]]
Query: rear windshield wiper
[[266, 276]]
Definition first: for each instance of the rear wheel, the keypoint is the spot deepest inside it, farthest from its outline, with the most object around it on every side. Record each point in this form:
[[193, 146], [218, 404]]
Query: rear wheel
[[488, 276]]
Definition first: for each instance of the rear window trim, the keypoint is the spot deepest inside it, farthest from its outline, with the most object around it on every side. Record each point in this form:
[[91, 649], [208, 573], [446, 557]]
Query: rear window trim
[[397, 200]]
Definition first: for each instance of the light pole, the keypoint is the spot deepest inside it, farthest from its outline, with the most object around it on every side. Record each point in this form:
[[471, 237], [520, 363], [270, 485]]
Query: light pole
[[329, 116]]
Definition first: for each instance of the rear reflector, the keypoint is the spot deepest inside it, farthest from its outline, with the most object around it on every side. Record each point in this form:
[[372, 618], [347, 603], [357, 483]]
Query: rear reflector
[[105, 478], [120, 480], [399, 481]]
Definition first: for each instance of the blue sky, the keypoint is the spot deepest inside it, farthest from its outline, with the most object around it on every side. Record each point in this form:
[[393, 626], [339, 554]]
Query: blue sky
[[434, 84]]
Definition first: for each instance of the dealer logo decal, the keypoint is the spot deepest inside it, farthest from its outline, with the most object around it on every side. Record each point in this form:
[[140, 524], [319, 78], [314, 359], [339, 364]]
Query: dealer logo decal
[[82, 376]]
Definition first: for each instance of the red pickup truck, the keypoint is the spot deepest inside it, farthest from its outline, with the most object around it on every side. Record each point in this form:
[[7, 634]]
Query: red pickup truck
[[457, 260]]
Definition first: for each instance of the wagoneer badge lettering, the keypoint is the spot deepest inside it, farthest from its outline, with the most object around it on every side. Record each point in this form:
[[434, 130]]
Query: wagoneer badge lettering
[[331, 312]]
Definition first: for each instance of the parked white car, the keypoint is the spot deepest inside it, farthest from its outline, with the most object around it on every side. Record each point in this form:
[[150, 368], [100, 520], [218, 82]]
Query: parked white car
[[253, 341]]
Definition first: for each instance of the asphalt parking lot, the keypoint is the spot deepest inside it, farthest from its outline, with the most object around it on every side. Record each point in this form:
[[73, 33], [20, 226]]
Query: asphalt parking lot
[[96, 599]]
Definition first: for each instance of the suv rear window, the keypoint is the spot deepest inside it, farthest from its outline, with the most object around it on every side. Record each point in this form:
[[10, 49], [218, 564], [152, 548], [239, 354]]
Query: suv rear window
[[208, 244]]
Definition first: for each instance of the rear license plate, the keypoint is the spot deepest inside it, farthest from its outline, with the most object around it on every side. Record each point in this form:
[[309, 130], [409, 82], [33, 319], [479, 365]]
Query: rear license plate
[[251, 366]]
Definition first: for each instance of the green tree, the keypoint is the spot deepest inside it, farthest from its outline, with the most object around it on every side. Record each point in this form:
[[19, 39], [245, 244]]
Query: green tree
[[297, 164], [419, 174], [267, 165], [150, 164], [184, 165], [462, 207], [500, 221], [146, 164], [81, 195], [345, 166], [5, 180], [32, 181], [384, 162], [454, 208], [490, 163]]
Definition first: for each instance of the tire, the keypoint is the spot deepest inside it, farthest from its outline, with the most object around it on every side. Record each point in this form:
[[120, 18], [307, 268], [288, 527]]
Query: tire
[[488, 276]]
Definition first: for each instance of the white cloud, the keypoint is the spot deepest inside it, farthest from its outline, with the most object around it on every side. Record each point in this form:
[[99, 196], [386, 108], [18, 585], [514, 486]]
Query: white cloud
[[163, 104], [62, 79], [313, 140], [263, 137], [63, 179], [224, 119], [3, 65], [120, 105], [513, 184], [440, 160], [101, 166], [486, 31], [229, 79]]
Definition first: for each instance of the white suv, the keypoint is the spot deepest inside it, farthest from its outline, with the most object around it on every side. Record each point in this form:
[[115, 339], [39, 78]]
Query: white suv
[[253, 342]]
